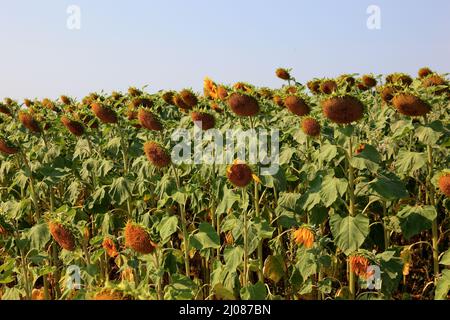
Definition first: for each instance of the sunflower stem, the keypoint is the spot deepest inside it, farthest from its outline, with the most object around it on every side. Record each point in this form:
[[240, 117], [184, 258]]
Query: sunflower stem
[[245, 232], [351, 209], [32, 189]]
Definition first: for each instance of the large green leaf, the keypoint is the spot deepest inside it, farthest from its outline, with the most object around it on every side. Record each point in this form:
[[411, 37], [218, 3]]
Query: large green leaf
[[443, 286], [445, 259], [349, 232], [233, 257], [414, 220], [427, 135], [389, 187], [39, 236], [274, 268], [206, 238], [167, 227], [256, 291], [409, 162]]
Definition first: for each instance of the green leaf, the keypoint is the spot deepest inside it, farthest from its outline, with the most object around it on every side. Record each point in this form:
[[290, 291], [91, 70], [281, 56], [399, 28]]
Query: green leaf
[[167, 227], [254, 292], [369, 159], [233, 257], [120, 190], [389, 187], [228, 200], [427, 135], [181, 288], [39, 235], [274, 268], [349, 232], [443, 286], [414, 220], [409, 162], [206, 238], [331, 188], [445, 259], [327, 153]]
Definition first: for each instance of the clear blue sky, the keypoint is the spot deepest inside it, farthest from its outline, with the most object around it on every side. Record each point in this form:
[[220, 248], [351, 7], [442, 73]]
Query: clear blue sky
[[176, 43]]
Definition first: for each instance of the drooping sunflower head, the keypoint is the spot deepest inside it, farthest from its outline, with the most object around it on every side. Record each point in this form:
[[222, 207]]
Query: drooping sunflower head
[[369, 81], [314, 86], [110, 247], [203, 120], [278, 100], [29, 122], [156, 154], [359, 264], [189, 98], [311, 127], [104, 113], [243, 105], [5, 110], [239, 174], [283, 74], [328, 86], [424, 72], [168, 97], [134, 92], [343, 110], [27, 102], [7, 148], [296, 105], [304, 236], [222, 93], [138, 239], [62, 235], [399, 79], [75, 127], [148, 120], [410, 105], [65, 100]]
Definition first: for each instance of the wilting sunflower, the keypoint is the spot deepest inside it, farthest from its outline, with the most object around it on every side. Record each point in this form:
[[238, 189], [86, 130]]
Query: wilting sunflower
[[265, 93], [314, 86], [148, 120], [110, 247], [138, 239], [278, 100], [5, 110], [168, 97], [209, 89], [343, 110], [243, 105], [410, 105], [49, 104], [424, 72], [240, 174], [328, 86], [179, 102], [369, 81], [433, 81], [283, 74], [65, 100], [29, 122], [7, 148], [296, 105], [361, 86], [399, 78], [62, 236], [203, 120], [222, 93], [387, 93], [27, 102], [304, 236], [444, 184], [311, 127], [156, 154], [110, 295], [105, 114], [132, 91], [116, 95], [189, 98], [359, 265], [75, 127]]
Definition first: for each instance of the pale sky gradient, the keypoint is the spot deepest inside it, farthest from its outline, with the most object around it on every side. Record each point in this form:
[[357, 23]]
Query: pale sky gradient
[[176, 43]]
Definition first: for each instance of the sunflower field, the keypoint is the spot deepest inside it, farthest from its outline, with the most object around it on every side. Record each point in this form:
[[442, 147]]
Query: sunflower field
[[93, 207]]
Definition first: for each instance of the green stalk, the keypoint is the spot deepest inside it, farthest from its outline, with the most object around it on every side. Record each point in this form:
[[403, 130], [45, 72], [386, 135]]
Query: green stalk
[[32, 189], [245, 231], [351, 208], [434, 227], [184, 228], [124, 148], [159, 282]]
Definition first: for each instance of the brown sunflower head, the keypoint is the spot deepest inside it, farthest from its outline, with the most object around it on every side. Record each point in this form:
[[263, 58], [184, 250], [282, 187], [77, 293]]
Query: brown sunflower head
[[304, 236], [29, 122], [105, 114], [7, 148], [168, 97], [148, 120], [179, 102], [116, 95], [400, 79], [134, 92], [266, 93], [311, 127], [361, 86], [110, 247], [65, 100], [215, 106], [141, 102], [278, 100], [156, 154], [328, 86], [243, 105], [239, 174], [410, 105], [424, 72], [8, 101], [27, 102], [387, 93], [343, 110], [62, 236], [203, 120], [314, 86], [222, 93], [5, 110], [296, 105], [444, 184], [189, 98], [75, 127], [49, 104], [369, 81], [433, 81], [283, 74], [138, 239], [359, 265]]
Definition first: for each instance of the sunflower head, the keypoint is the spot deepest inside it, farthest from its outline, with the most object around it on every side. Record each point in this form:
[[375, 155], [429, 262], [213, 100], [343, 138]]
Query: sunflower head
[[148, 120], [296, 105], [110, 247], [62, 235], [7, 148], [104, 113], [240, 174], [283, 74], [156, 154], [304, 236], [29, 122], [328, 86], [203, 120], [424, 72], [5, 110], [359, 264], [444, 184], [138, 239], [369, 81], [343, 110], [168, 97], [314, 86], [311, 127], [134, 92], [65, 100], [410, 105], [222, 93], [243, 105], [75, 127], [189, 98]]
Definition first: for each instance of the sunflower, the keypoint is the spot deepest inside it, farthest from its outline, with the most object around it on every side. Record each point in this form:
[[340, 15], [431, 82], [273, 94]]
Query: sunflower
[[210, 89], [168, 97], [222, 93], [283, 74], [75, 127], [203, 120], [105, 114], [148, 120], [410, 105], [29, 122], [156, 154], [189, 98], [314, 86], [311, 127], [328, 86], [369, 81], [27, 102], [359, 265], [296, 105], [240, 174], [65, 100], [343, 110], [7, 148], [5, 110], [444, 184], [424, 72], [304, 236], [243, 105], [62, 236], [110, 247], [278, 100], [138, 239], [132, 91]]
